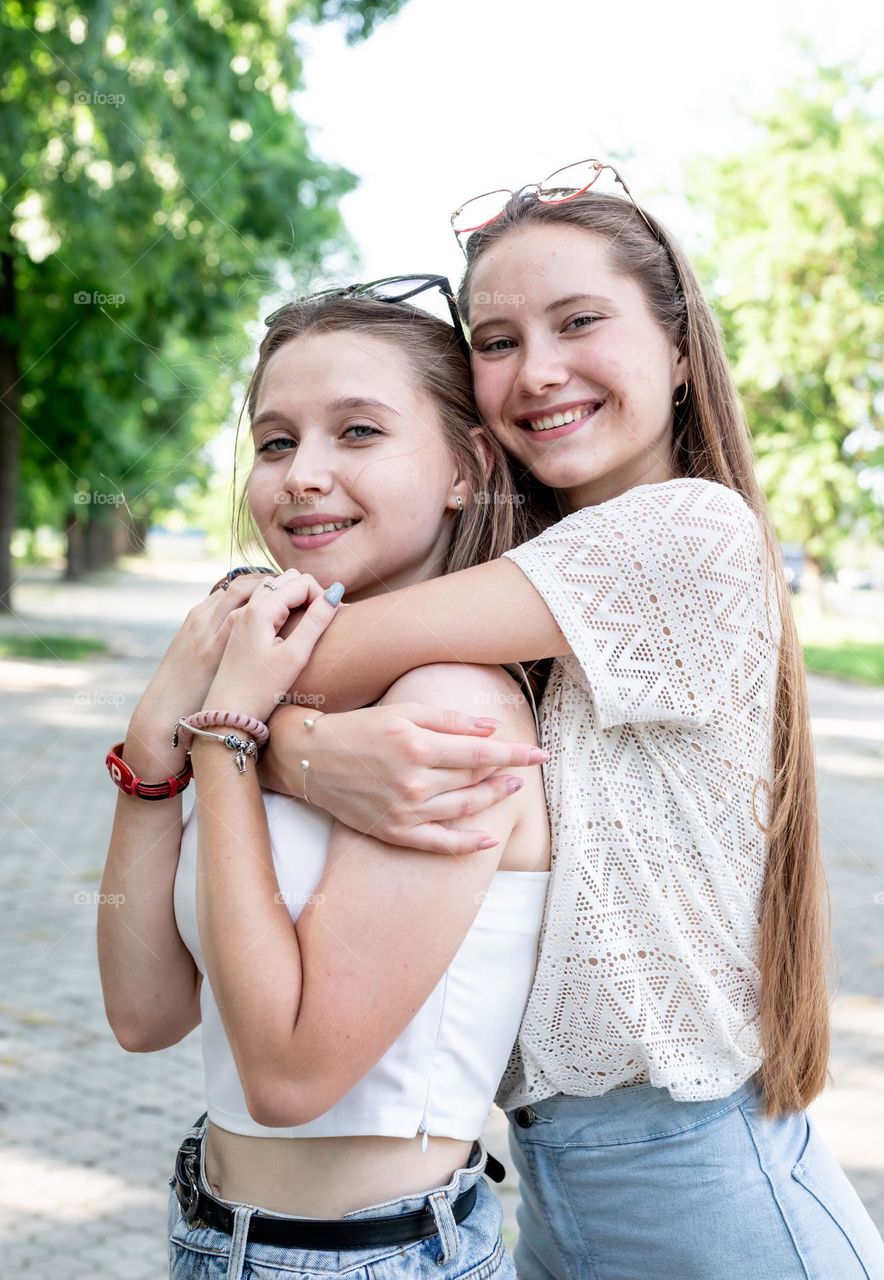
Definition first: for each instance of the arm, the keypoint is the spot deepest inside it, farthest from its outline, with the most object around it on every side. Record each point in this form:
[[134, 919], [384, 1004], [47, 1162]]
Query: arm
[[363, 957], [488, 614], [149, 980]]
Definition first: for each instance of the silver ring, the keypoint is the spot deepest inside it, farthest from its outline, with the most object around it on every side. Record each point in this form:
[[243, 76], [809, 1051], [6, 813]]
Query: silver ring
[[272, 585]]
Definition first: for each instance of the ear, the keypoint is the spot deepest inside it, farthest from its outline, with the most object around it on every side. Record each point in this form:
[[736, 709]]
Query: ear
[[461, 485], [682, 372]]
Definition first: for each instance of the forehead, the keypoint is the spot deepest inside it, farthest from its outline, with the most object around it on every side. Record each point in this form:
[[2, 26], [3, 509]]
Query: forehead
[[345, 363], [538, 264]]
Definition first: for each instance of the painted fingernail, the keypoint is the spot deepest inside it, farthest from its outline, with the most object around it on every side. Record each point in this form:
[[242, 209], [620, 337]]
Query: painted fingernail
[[514, 784], [536, 756], [335, 593], [487, 843], [487, 722]]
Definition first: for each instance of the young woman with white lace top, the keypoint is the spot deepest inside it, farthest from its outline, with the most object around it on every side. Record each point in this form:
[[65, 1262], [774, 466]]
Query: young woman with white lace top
[[677, 1028], [354, 1026]]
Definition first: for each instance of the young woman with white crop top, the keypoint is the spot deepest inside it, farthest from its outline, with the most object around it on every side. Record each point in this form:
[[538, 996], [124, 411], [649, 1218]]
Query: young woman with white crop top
[[677, 1028], [354, 1024]]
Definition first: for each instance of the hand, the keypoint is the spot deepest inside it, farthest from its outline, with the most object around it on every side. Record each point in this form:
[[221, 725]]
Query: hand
[[183, 678], [259, 664], [397, 772]]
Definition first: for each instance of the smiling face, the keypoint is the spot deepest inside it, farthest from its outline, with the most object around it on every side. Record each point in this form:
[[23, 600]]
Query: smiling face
[[344, 436], [572, 373]]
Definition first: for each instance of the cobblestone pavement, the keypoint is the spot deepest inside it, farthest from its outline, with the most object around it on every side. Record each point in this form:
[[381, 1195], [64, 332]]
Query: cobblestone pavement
[[87, 1131]]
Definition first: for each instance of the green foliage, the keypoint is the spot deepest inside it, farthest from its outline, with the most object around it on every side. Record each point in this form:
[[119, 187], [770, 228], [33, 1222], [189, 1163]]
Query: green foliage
[[798, 260], [155, 185]]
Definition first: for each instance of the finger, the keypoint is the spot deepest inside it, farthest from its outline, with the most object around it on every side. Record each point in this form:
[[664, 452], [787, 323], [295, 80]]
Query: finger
[[291, 590], [445, 721], [467, 801], [316, 619], [238, 594], [480, 755], [430, 837]]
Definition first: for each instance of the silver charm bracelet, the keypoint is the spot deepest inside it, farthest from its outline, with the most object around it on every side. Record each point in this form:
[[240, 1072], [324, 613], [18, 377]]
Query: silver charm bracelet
[[242, 746]]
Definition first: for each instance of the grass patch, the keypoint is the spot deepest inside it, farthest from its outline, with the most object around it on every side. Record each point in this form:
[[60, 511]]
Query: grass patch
[[852, 648], [66, 648]]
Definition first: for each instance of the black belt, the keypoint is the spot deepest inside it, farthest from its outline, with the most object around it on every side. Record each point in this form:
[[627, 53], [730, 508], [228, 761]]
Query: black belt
[[312, 1233]]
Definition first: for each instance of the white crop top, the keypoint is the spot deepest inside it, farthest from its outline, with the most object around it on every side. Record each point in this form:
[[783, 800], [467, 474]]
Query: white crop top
[[440, 1076]]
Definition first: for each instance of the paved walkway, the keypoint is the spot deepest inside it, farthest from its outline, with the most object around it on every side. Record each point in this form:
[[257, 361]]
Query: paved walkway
[[87, 1131]]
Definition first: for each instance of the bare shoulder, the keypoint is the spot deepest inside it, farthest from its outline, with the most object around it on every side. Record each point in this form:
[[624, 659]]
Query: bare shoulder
[[471, 688]]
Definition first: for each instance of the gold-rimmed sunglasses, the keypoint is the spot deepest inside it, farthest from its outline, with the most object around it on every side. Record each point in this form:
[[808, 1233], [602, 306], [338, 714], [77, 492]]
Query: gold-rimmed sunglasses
[[565, 184]]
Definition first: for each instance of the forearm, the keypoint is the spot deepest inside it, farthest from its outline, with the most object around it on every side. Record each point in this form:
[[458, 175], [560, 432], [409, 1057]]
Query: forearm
[[250, 947], [148, 977], [489, 614]]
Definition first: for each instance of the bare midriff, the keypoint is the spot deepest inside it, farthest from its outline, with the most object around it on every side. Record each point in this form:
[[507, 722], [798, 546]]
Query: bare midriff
[[326, 1177]]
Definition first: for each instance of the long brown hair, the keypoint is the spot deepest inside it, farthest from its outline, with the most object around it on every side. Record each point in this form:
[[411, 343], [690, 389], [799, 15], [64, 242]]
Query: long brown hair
[[711, 440], [495, 516]]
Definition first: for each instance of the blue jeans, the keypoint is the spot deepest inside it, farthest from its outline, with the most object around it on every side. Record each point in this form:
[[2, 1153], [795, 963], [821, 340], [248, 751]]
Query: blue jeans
[[472, 1249], [636, 1186]]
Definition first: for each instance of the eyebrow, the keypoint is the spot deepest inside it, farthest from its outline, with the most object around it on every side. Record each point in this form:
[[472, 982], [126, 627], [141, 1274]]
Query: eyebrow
[[553, 306], [335, 406]]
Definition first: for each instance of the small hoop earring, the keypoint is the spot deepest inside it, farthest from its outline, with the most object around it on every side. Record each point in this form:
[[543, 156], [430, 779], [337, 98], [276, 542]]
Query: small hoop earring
[[459, 500], [685, 387]]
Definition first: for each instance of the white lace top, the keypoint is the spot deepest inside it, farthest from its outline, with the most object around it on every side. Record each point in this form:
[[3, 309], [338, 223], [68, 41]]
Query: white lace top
[[659, 732]]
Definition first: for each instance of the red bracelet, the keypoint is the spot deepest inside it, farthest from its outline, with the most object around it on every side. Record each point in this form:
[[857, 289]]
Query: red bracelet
[[126, 780]]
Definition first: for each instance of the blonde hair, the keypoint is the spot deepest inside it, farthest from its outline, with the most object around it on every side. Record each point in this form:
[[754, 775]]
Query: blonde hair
[[711, 440]]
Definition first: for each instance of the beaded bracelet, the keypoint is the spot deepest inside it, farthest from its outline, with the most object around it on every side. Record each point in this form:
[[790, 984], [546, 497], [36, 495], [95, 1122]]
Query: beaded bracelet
[[231, 720]]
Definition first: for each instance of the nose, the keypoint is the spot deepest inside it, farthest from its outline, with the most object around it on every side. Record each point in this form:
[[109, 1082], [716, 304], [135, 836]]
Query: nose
[[540, 368], [309, 474]]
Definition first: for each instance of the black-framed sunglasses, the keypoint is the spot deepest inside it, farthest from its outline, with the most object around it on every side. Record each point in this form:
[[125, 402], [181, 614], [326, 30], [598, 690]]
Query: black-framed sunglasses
[[393, 289], [565, 184]]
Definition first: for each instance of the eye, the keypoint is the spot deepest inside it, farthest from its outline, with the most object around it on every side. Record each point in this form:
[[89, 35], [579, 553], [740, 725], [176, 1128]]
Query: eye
[[362, 427], [582, 322], [268, 445], [497, 344]]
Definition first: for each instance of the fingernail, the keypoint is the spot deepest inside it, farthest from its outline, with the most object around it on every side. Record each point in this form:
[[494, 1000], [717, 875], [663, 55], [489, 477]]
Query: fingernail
[[335, 593], [536, 756], [487, 722], [487, 843], [514, 784]]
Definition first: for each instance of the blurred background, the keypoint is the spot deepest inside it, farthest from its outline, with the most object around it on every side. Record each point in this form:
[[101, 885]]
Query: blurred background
[[171, 173]]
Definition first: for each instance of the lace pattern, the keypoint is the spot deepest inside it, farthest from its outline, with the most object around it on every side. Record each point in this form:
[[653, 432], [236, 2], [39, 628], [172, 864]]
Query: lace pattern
[[659, 731]]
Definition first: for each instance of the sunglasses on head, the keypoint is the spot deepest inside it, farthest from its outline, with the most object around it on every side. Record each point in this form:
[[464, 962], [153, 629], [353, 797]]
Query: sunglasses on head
[[393, 289]]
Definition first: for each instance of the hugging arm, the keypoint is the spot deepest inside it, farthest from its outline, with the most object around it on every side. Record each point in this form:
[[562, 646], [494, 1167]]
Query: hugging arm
[[361, 958]]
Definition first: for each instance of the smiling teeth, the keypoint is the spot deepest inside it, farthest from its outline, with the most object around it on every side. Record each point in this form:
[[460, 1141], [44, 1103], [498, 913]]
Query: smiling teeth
[[309, 530], [562, 419]]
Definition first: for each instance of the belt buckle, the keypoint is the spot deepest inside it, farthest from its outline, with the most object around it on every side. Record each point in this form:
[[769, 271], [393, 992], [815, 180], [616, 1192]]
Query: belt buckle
[[186, 1184]]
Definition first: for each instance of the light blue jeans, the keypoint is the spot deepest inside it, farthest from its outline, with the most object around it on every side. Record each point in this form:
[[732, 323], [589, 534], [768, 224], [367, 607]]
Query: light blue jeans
[[636, 1186], [470, 1250]]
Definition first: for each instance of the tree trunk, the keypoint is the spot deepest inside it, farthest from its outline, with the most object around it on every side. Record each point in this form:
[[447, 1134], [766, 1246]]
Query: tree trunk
[[10, 434], [75, 552]]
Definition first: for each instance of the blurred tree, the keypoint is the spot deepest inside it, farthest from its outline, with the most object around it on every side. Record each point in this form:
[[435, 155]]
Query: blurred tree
[[797, 257], [154, 182]]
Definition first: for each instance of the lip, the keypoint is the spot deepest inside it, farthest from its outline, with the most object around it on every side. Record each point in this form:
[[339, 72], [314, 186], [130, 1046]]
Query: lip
[[326, 517], [314, 541], [557, 433]]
